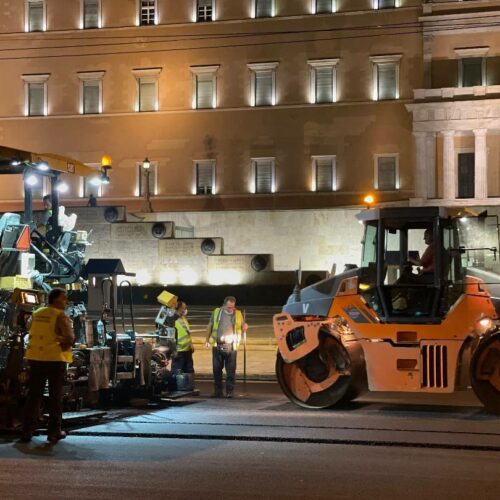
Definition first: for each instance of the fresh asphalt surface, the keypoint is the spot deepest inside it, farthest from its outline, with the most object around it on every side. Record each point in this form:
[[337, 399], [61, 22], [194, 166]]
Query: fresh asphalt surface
[[259, 445]]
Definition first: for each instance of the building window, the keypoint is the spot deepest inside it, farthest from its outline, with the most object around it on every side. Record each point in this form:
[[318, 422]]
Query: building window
[[147, 88], [89, 185], [324, 6], [204, 87], [90, 15], [472, 71], [324, 178], [387, 172], [472, 66], [91, 92], [35, 91], [466, 175], [205, 177], [35, 19], [263, 84], [204, 10], [153, 179], [147, 12], [385, 77], [40, 188], [264, 8], [263, 170], [323, 80], [385, 4]]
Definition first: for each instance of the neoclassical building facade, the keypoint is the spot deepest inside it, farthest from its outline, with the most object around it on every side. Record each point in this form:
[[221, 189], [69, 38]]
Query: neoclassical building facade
[[456, 114], [257, 104], [237, 104]]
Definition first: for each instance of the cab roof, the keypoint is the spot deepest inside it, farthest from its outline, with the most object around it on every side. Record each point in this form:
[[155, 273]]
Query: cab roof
[[405, 213]]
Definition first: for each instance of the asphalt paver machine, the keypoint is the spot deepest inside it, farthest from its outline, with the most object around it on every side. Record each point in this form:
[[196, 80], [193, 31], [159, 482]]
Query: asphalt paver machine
[[35, 255], [389, 326]]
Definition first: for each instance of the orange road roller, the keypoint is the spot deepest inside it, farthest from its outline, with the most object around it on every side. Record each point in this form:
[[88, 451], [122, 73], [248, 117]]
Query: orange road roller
[[418, 314]]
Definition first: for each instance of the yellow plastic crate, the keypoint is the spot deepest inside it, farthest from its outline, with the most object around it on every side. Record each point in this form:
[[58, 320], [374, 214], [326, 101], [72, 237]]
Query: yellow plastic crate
[[167, 299], [18, 281]]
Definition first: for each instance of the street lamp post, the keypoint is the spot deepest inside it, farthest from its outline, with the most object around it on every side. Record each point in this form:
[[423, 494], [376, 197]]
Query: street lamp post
[[146, 207]]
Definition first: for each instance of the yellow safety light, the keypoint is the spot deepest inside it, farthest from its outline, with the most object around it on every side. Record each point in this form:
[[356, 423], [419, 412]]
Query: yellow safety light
[[369, 200], [106, 161]]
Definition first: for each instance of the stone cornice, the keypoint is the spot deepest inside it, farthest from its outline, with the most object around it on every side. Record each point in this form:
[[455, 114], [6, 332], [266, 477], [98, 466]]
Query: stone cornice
[[459, 115], [453, 92]]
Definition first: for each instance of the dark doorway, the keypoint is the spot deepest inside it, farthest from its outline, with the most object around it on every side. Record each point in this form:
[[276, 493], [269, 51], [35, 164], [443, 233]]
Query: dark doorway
[[466, 171]]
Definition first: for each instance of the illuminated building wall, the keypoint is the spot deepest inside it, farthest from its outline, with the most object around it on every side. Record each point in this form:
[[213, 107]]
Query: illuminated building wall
[[300, 108]]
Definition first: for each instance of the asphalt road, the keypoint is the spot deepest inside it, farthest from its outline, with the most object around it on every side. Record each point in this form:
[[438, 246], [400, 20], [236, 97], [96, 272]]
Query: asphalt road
[[261, 446]]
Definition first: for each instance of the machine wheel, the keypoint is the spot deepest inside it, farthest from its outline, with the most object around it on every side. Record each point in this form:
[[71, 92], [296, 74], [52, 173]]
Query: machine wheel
[[320, 379], [485, 372]]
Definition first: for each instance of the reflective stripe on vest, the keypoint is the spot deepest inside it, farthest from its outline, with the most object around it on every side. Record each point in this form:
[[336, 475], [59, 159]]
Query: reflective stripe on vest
[[43, 344], [184, 342], [238, 323]]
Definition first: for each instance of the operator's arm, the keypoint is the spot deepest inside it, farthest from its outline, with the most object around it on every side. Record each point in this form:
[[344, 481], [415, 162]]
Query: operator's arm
[[64, 332]]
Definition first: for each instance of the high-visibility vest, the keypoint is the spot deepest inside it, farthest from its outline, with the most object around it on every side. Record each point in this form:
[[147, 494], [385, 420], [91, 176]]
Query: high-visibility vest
[[184, 342], [43, 343], [238, 324]]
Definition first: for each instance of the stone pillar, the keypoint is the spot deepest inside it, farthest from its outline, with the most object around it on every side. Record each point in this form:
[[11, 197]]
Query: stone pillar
[[481, 164], [420, 165], [449, 161], [430, 161]]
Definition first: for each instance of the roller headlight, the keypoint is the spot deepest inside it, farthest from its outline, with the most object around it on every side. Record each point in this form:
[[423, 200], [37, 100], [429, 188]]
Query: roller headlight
[[484, 325]]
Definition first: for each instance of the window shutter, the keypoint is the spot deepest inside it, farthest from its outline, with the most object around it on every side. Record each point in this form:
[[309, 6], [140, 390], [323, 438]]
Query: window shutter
[[386, 173], [324, 6], [91, 97], [264, 176], [324, 84], [147, 12], [387, 81], [147, 94], [324, 174], [204, 91], [204, 177], [89, 187], [386, 4], [472, 71], [263, 8], [91, 14], [263, 88], [37, 189], [205, 10], [35, 9], [36, 103]]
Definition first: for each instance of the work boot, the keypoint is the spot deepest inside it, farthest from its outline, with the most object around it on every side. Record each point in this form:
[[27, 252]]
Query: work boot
[[216, 394], [229, 394], [54, 438]]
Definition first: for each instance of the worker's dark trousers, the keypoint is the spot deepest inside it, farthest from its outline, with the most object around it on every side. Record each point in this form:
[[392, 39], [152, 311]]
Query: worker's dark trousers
[[40, 372], [183, 361], [221, 359]]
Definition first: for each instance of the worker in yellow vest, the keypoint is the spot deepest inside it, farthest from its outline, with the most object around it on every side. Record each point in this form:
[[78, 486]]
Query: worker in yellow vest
[[224, 333], [48, 352], [183, 360]]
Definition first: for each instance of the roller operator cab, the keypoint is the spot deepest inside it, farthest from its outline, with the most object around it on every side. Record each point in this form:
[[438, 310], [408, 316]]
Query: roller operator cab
[[416, 316]]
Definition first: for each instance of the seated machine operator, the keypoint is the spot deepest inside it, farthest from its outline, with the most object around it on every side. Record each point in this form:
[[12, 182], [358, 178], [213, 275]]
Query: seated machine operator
[[426, 262]]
